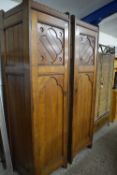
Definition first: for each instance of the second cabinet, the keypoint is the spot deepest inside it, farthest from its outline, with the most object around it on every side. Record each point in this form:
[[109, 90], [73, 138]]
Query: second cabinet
[[84, 51]]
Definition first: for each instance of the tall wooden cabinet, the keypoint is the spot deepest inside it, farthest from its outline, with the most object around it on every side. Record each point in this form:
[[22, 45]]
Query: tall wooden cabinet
[[84, 52], [114, 94], [105, 64], [35, 60]]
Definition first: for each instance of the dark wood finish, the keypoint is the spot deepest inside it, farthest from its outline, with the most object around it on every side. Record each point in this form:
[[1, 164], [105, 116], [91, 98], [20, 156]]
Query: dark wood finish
[[84, 53], [17, 96], [3, 129], [35, 54]]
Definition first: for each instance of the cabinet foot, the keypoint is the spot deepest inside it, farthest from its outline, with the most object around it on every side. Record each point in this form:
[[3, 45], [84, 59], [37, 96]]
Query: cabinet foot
[[89, 146], [64, 166]]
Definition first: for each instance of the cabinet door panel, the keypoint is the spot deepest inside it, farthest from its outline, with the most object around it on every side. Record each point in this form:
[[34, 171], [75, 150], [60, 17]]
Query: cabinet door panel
[[84, 53], [49, 123], [82, 111], [50, 87], [104, 85]]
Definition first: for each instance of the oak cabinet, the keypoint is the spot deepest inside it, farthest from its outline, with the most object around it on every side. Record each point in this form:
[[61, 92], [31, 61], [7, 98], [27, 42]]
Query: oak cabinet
[[113, 116], [35, 60], [84, 52], [35, 48], [114, 93]]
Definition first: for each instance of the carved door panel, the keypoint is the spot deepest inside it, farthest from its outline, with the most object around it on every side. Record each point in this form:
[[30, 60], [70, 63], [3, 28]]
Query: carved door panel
[[50, 79], [83, 111], [84, 85]]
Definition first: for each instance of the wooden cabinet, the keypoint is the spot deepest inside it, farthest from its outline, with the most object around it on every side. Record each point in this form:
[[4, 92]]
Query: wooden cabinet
[[84, 51], [35, 60], [114, 94], [113, 116], [104, 88]]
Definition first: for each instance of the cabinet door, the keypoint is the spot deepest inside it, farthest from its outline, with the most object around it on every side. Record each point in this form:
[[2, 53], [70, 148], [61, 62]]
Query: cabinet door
[[84, 86], [104, 86], [50, 91]]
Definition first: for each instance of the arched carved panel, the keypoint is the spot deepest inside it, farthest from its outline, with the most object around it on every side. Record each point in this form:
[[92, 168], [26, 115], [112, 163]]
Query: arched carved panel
[[49, 123], [51, 44], [83, 111], [86, 49]]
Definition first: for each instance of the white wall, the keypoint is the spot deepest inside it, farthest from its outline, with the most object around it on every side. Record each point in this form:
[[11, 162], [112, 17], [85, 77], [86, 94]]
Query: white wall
[[7, 4], [107, 39]]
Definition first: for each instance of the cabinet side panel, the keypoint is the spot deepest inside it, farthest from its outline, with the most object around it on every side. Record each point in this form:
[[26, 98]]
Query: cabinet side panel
[[17, 94], [14, 45]]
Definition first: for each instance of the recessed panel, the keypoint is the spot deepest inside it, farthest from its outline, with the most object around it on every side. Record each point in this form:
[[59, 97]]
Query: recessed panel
[[86, 49], [51, 43], [83, 111], [49, 126], [14, 45]]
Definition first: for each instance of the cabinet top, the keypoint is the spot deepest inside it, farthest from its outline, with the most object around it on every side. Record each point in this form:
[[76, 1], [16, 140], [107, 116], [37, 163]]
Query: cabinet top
[[28, 5]]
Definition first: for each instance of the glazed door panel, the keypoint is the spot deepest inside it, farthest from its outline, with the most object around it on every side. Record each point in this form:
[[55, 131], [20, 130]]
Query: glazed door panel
[[50, 84], [85, 43]]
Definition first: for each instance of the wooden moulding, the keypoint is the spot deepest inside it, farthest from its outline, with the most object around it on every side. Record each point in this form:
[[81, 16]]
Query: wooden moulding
[[13, 11], [47, 10], [86, 25]]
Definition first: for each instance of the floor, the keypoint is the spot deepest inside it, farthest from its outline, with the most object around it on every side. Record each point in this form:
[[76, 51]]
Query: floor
[[5, 172], [100, 160]]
